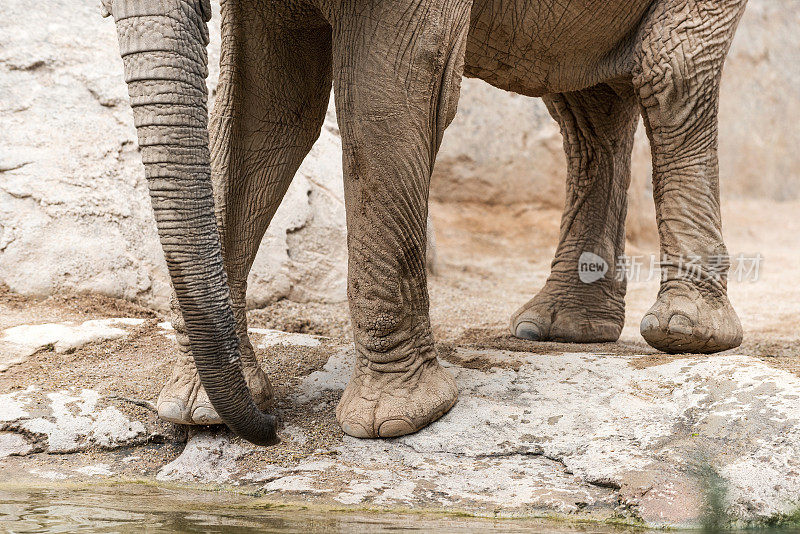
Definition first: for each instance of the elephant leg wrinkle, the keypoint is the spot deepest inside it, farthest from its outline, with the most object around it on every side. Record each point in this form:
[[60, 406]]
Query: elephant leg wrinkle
[[396, 83], [677, 84]]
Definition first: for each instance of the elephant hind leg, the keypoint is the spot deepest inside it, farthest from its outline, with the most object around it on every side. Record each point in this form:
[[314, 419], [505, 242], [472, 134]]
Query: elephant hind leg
[[680, 59], [272, 96], [583, 300]]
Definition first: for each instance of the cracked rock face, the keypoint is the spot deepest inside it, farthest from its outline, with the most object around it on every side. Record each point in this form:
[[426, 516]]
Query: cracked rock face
[[572, 433], [573, 424], [62, 422]]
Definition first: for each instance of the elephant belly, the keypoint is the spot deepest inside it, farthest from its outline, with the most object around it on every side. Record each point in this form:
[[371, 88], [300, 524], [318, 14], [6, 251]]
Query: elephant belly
[[533, 47]]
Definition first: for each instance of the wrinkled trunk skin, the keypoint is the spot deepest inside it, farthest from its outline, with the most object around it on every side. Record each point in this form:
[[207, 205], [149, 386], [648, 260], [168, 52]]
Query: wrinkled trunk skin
[[162, 43]]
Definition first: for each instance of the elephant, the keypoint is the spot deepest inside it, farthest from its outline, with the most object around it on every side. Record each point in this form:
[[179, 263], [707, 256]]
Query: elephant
[[395, 68]]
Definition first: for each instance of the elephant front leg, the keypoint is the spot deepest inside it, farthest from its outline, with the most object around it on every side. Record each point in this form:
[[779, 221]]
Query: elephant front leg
[[598, 125], [681, 56], [398, 73]]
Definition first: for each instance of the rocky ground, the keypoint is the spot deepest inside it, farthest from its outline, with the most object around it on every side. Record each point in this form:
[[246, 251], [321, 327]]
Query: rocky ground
[[606, 432]]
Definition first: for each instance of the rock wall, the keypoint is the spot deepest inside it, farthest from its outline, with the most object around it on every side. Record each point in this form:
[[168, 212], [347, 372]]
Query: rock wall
[[74, 208], [760, 106], [74, 211]]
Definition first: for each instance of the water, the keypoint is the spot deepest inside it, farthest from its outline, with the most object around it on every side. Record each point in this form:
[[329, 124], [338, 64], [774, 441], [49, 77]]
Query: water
[[146, 508]]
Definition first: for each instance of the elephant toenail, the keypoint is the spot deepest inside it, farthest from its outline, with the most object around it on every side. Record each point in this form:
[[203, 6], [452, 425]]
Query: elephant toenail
[[395, 427], [649, 323], [680, 324], [205, 415], [355, 429], [171, 411], [528, 330]]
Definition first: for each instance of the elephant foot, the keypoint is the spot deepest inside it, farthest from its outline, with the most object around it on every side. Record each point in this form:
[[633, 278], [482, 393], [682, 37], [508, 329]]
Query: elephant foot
[[579, 314], [183, 399], [684, 319], [385, 405]]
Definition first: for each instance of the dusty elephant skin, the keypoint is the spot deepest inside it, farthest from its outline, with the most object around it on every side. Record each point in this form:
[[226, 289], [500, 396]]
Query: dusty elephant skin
[[395, 68]]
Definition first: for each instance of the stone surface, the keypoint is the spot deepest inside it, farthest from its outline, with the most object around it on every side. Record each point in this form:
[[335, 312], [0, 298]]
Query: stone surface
[[650, 438], [562, 431], [14, 444], [206, 458], [64, 422], [19, 342], [74, 210]]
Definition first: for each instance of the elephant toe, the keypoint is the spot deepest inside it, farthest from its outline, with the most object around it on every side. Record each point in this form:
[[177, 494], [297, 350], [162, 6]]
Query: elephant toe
[[528, 330], [172, 411], [355, 428], [205, 415], [396, 427], [650, 323], [680, 324]]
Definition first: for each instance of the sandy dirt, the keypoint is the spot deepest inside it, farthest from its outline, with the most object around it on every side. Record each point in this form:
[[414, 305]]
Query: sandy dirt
[[492, 259], [495, 258]]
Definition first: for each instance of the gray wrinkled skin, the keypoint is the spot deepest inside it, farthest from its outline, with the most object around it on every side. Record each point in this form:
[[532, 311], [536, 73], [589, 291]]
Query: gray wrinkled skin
[[395, 69]]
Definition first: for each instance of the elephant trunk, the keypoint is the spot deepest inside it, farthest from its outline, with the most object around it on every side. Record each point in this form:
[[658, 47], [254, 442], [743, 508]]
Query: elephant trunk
[[163, 46]]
